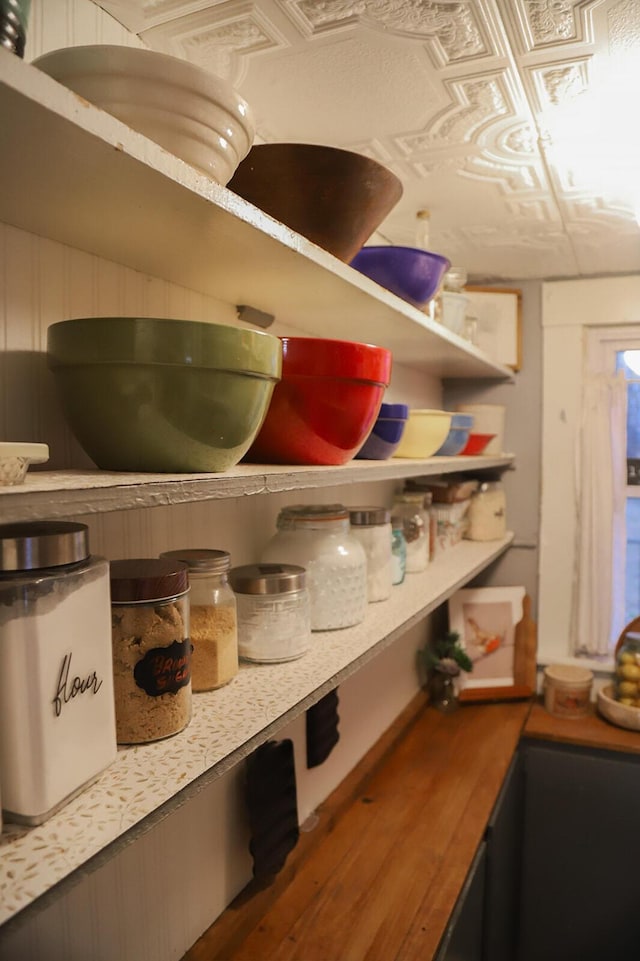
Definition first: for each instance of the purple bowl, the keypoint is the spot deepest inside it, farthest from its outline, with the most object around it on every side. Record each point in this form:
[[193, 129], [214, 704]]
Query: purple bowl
[[386, 433], [409, 272]]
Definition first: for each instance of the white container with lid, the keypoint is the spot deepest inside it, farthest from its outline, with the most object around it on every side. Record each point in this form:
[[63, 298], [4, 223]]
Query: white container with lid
[[318, 537], [274, 613], [372, 527], [212, 616], [567, 690], [57, 723], [487, 515]]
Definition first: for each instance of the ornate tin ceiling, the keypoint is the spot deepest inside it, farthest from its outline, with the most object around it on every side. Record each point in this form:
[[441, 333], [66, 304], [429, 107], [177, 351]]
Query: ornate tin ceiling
[[512, 121]]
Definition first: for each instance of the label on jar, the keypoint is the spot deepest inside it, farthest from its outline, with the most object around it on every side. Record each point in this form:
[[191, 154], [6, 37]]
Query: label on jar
[[164, 670]]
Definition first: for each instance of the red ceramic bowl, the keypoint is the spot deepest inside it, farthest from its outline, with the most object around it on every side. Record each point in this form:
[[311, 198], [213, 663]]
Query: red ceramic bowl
[[477, 443], [326, 403]]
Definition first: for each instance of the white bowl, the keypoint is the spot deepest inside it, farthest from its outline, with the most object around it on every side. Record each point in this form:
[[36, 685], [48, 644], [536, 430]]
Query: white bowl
[[192, 113], [16, 458], [623, 715]]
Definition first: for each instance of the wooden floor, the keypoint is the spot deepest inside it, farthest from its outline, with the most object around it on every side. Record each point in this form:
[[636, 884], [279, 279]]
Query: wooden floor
[[378, 878]]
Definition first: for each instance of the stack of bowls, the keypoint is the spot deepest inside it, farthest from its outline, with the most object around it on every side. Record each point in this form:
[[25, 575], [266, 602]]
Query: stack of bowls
[[147, 394], [386, 433], [458, 436], [192, 113], [326, 403]]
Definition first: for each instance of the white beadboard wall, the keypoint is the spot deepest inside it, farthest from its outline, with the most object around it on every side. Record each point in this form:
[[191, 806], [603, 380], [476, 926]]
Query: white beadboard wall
[[152, 897]]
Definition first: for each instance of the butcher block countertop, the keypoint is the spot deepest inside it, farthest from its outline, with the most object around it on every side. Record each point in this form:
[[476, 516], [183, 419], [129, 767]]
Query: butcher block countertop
[[379, 875]]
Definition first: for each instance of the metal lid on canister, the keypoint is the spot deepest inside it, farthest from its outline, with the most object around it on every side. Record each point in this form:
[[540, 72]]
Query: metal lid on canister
[[267, 578], [369, 516], [140, 579], [201, 560], [35, 545]]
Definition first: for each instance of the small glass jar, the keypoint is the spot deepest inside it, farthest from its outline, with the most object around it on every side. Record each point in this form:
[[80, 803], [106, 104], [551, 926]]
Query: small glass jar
[[409, 508], [212, 617], [372, 527], [151, 648], [398, 551], [487, 515], [274, 622], [57, 724], [318, 538], [626, 687]]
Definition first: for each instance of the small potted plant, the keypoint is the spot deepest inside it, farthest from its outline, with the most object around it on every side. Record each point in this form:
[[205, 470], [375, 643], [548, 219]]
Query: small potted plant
[[444, 660]]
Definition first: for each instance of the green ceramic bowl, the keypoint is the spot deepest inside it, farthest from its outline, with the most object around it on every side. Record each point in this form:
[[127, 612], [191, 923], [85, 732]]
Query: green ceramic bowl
[[148, 394]]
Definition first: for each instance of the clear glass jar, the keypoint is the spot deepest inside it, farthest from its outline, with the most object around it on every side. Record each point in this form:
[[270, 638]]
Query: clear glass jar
[[487, 515], [151, 648], [626, 688], [372, 527], [57, 723], [212, 616], [274, 612], [318, 538], [398, 551], [409, 508]]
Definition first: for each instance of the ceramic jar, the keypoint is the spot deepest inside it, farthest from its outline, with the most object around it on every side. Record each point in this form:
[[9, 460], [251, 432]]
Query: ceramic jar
[[212, 617], [57, 726], [318, 538], [487, 515]]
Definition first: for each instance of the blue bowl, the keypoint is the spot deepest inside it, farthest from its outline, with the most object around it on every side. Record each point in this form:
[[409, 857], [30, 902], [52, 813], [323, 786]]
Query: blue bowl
[[386, 433], [458, 435], [409, 272]]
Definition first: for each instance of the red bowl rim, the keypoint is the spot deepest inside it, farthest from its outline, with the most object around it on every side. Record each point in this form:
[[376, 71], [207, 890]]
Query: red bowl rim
[[326, 357]]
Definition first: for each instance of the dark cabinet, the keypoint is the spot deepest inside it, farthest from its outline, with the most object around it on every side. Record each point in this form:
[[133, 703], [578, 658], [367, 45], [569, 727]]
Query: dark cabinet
[[462, 940], [580, 855]]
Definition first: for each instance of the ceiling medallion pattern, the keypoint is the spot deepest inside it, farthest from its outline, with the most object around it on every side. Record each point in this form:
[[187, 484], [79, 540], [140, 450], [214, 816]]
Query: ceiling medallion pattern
[[563, 83], [551, 21], [454, 27]]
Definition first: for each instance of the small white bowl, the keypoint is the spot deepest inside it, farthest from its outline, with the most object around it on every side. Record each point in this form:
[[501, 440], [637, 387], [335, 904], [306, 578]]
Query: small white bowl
[[623, 715], [16, 458], [189, 111]]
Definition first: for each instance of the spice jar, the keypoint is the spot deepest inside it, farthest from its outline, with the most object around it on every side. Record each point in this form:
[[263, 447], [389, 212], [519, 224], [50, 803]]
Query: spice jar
[[409, 508], [487, 515], [318, 538], [398, 551], [151, 648], [372, 527], [212, 617], [274, 622], [57, 724]]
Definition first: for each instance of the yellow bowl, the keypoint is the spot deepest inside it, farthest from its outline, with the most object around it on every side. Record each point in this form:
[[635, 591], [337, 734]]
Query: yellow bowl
[[424, 433], [622, 715]]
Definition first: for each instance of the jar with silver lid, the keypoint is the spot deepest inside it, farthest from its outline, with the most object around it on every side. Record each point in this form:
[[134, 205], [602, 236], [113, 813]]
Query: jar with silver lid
[[372, 527], [274, 621], [151, 648], [487, 515], [212, 617], [409, 508], [318, 538], [57, 724]]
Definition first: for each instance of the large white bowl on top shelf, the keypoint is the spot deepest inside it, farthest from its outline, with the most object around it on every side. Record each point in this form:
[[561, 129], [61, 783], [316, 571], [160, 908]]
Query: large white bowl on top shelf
[[189, 111]]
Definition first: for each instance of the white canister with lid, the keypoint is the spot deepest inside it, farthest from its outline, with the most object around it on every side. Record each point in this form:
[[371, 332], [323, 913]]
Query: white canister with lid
[[318, 537], [487, 514], [274, 622], [372, 527], [57, 718]]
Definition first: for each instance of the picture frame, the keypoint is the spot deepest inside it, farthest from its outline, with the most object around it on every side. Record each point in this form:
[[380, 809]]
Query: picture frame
[[498, 311], [495, 628]]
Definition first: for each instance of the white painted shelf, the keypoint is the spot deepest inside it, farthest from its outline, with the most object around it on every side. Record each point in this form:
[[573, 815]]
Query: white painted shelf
[[146, 782], [79, 176], [53, 494]]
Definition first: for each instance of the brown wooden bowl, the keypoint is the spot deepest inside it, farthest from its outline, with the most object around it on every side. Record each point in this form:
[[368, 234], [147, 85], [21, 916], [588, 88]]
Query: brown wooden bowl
[[335, 198]]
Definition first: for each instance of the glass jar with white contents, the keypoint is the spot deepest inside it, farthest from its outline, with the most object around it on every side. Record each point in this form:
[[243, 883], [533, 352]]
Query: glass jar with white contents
[[212, 617], [318, 537], [409, 508], [273, 611], [372, 527], [487, 516]]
